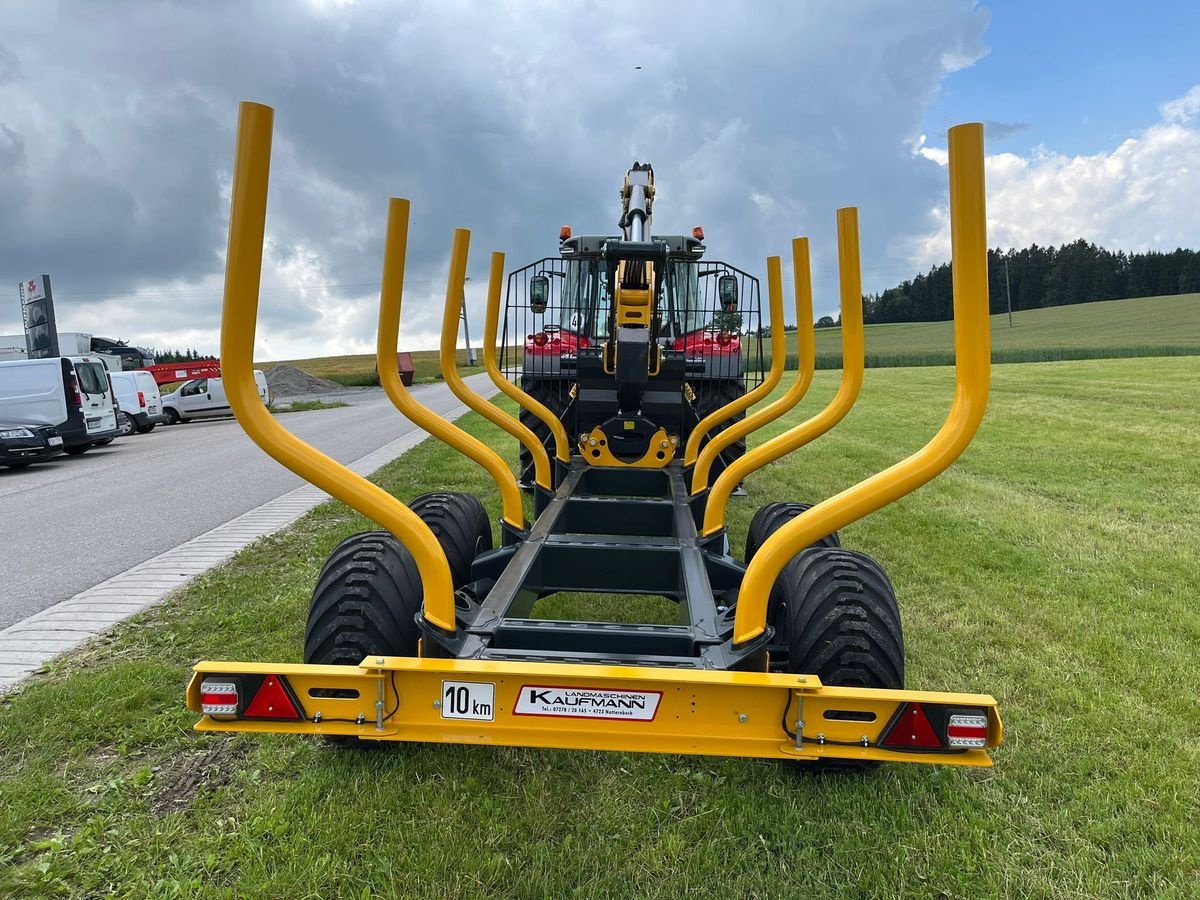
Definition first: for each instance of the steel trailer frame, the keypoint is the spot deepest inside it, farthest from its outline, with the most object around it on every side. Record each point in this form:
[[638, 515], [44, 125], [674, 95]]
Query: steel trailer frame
[[703, 685]]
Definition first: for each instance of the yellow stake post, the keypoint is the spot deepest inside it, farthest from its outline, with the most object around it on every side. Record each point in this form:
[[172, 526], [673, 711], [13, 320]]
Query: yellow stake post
[[806, 347], [972, 353], [778, 359], [852, 376], [239, 314], [391, 296]]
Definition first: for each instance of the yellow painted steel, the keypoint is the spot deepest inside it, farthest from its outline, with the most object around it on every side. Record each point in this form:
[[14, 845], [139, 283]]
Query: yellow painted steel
[[972, 353], [778, 359], [852, 376], [239, 314], [633, 303], [458, 387], [596, 452], [720, 713], [391, 296], [562, 443], [806, 345]]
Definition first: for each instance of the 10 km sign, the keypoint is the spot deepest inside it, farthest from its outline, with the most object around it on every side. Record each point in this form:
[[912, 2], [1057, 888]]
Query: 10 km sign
[[468, 700]]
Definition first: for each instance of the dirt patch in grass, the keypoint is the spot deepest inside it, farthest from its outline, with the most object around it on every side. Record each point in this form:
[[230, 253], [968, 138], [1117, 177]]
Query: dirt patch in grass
[[181, 778]]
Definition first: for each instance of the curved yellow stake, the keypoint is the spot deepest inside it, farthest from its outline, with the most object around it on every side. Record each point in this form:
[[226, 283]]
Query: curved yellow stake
[[806, 345], [390, 298], [490, 326], [449, 361], [843, 400], [778, 359], [972, 354], [239, 314]]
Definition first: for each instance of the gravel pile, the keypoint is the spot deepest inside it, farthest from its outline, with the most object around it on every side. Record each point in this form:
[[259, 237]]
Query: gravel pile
[[288, 381]]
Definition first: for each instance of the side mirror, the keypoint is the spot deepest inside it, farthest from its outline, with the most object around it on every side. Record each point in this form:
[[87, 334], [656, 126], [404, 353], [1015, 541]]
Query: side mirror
[[727, 291], [539, 293]]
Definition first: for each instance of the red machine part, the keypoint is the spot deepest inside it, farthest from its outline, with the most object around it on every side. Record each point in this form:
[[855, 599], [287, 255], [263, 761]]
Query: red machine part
[[168, 373]]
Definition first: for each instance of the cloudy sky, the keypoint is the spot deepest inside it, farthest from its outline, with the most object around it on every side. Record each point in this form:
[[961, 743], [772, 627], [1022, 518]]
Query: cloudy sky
[[117, 123]]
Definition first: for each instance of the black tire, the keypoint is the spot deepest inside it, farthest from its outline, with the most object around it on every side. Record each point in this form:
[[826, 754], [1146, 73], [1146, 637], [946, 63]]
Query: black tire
[[77, 450], [840, 622], [365, 604], [146, 429], [771, 518], [711, 396], [552, 394], [20, 465], [461, 526], [103, 442], [172, 416], [125, 425]]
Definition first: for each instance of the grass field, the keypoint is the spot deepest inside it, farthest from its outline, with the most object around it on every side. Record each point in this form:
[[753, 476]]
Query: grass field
[[1057, 566], [1146, 326], [359, 369]]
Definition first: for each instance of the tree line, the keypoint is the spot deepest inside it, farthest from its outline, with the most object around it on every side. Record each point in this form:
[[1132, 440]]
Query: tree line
[[177, 356], [1079, 272]]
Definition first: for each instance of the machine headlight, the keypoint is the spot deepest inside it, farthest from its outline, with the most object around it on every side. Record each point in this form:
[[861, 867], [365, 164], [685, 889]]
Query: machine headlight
[[16, 433]]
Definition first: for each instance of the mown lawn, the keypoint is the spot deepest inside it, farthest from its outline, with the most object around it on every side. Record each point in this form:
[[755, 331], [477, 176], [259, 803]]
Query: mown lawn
[[1056, 566], [1145, 326]]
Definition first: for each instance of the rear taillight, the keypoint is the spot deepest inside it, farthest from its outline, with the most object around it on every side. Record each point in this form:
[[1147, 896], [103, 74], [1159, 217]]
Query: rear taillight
[[724, 338], [78, 399], [932, 726], [218, 698], [967, 731], [141, 400], [540, 339], [248, 696]]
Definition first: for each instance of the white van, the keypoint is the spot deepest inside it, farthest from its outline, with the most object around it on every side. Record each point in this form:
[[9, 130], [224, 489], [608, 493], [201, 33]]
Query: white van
[[204, 398], [71, 393], [139, 398]]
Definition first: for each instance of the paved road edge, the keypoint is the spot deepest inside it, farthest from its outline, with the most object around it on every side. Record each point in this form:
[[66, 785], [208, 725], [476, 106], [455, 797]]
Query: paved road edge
[[29, 644]]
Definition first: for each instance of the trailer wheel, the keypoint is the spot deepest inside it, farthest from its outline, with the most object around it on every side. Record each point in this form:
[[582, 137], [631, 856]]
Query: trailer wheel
[[711, 396], [771, 518], [461, 526], [365, 604], [550, 394], [840, 622]]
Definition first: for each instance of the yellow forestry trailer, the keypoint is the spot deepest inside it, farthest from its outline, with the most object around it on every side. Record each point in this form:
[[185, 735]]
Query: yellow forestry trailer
[[635, 361]]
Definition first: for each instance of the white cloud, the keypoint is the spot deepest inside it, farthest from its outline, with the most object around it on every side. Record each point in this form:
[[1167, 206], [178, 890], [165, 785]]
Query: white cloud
[[1143, 194]]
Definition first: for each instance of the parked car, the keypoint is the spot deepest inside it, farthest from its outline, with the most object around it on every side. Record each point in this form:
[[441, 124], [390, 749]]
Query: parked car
[[140, 401], [204, 398], [24, 443], [70, 393]]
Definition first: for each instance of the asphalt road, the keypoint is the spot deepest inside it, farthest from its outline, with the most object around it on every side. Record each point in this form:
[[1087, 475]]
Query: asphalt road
[[69, 524]]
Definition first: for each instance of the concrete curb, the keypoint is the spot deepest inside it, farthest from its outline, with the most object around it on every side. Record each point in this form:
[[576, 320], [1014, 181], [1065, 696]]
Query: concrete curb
[[26, 646]]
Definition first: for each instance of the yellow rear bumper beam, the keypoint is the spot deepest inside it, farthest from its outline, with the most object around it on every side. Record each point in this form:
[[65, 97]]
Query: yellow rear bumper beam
[[628, 708]]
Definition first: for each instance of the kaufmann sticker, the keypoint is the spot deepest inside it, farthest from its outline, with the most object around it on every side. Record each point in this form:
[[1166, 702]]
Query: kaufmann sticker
[[587, 703]]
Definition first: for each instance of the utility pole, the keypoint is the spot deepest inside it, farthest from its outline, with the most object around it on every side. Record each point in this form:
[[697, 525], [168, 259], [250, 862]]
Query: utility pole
[[466, 329], [1007, 292]]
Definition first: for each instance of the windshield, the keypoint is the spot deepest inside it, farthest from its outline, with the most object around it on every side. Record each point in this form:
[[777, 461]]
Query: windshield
[[584, 299]]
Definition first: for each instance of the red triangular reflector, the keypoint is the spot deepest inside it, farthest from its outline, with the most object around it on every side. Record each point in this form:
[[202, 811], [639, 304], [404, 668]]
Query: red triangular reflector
[[912, 730], [272, 702]]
